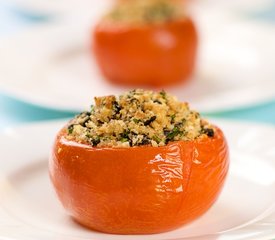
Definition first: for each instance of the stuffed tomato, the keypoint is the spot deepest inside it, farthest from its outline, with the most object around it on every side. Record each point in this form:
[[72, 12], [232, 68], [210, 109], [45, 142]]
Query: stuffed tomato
[[138, 164], [146, 43]]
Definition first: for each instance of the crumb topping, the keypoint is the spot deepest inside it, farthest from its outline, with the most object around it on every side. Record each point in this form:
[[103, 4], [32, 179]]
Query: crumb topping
[[144, 11], [137, 118]]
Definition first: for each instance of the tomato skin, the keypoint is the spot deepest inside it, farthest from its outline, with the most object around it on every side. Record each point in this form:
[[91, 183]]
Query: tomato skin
[[139, 190], [154, 55]]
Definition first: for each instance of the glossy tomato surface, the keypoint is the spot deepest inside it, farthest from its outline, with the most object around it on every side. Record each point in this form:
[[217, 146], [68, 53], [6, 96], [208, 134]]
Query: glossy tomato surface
[[152, 54], [138, 190]]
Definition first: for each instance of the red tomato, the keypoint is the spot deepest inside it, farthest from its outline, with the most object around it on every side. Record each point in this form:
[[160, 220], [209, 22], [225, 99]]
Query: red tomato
[[138, 190], [152, 54]]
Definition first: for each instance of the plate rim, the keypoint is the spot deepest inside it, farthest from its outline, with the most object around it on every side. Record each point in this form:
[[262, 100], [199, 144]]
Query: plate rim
[[47, 28]]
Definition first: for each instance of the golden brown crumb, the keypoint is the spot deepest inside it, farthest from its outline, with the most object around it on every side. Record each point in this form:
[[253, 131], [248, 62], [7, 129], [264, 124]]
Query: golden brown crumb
[[138, 118], [144, 11]]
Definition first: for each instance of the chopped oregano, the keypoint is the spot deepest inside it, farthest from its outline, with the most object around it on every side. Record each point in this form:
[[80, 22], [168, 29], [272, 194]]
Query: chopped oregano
[[124, 140], [88, 135], [86, 120], [208, 131], [135, 120], [163, 94], [71, 129], [92, 107], [156, 139], [95, 141], [172, 134], [173, 118], [125, 134], [157, 101], [99, 122], [116, 107], [149, 121], [145, 140]]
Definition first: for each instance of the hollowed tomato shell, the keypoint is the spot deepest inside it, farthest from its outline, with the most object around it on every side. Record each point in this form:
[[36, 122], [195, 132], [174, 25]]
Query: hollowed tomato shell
[[138, 190], [152, 54]]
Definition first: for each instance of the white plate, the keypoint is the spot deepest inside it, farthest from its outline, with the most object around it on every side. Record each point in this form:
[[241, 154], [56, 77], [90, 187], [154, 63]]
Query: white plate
[[47, 7], [29, 209], [51, 65]]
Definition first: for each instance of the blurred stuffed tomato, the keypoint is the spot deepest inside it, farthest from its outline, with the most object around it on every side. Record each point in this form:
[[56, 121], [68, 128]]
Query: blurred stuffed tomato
[[146, 43]]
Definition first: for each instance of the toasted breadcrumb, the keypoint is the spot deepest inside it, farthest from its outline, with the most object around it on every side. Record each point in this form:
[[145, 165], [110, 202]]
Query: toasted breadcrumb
[[138, 118], [145, 12]]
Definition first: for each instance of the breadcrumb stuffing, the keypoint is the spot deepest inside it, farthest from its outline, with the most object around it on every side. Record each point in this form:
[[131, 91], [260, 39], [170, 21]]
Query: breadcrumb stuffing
[[138, 118], [144, 12]]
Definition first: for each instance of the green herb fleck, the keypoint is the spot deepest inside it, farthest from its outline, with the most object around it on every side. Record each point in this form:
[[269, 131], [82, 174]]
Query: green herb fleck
[[124, 140], [88, 135], [135, 120], [172, 134], [173, 118], [156, 139], [125, 134], [71, 129], [92, 108], [95, 141], [163, 94]]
